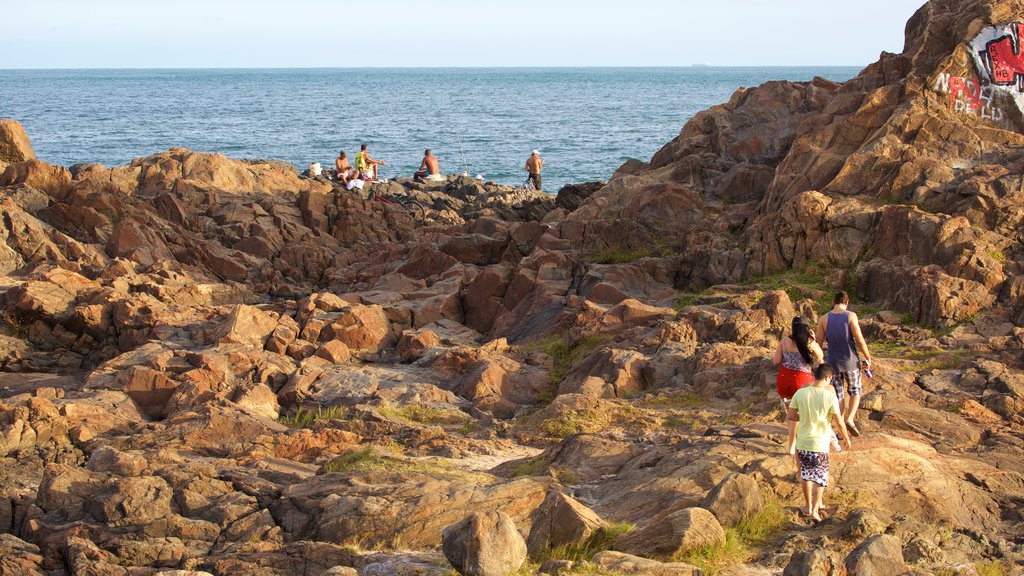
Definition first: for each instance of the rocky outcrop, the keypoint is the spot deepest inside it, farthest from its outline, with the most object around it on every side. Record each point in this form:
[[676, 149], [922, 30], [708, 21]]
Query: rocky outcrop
[[213, 365], [14, 142]]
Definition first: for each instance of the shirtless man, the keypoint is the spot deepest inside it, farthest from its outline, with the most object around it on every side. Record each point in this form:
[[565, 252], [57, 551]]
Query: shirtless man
[[345, 170], [367, 166], [533, 166], [429, 168], [840, 328]]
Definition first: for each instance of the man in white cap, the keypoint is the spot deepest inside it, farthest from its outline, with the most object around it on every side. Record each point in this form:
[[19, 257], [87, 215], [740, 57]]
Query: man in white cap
[[533, 166]]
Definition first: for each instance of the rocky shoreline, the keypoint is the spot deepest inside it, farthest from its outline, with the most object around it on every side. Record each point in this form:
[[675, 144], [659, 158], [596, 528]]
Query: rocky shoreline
[[217, 366]]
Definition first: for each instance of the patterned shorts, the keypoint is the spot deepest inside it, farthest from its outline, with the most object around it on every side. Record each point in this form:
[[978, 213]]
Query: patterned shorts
[[852, 381], [813, 466]]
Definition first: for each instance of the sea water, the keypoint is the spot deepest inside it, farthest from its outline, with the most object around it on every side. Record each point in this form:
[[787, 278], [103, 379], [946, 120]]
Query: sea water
[[585, 121]]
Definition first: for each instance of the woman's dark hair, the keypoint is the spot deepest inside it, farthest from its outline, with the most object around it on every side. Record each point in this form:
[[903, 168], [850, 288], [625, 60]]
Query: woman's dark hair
[[802, 338]]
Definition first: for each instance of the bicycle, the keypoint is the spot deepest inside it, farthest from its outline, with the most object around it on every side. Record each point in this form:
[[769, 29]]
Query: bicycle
[[414, 207]]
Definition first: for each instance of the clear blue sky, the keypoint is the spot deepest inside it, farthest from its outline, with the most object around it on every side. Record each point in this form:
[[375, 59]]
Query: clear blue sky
[[391, 33]]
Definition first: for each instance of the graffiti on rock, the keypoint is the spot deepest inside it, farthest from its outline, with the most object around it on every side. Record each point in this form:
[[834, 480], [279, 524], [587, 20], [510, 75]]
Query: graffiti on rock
[[969, 96], [999, 61]]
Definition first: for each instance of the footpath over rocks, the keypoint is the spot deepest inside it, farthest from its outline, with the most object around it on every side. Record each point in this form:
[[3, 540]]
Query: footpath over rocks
[[220, 366]]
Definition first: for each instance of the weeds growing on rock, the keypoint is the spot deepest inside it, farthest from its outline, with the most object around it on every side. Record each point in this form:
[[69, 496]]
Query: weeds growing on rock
[[423, 415], [599, 541], [531, 467], [370, 459], [303, 417], [563, 355], [752, 532], [14, 325]]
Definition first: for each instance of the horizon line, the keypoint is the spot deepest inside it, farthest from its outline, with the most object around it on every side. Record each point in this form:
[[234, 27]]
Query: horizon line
[[509, 67]]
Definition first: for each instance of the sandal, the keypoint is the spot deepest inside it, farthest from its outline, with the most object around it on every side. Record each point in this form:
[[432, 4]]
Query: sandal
[[852, 428]]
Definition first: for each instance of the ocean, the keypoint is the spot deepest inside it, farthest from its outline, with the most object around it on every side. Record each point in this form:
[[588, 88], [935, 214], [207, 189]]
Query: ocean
[[585, 121]]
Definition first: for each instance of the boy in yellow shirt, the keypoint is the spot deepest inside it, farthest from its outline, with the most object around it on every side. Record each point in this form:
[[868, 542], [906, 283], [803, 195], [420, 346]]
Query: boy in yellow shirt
[[811, 408]]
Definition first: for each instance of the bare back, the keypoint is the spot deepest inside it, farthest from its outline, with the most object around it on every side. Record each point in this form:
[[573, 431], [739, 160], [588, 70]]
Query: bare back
[[534, 164], [431, 163]]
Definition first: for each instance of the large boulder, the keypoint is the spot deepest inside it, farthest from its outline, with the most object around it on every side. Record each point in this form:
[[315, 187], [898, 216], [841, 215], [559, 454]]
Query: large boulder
[[561, 520], [484, 544], [880, 555], [673, 533], [815, 562], [246, 325], [14, 142], [736, 497]]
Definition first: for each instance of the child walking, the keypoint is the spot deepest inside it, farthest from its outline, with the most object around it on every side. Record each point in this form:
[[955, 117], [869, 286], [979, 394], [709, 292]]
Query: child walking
[[811, 408]]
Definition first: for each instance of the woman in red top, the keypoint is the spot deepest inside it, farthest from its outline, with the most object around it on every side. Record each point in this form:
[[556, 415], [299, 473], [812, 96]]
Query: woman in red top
[[796, 356]]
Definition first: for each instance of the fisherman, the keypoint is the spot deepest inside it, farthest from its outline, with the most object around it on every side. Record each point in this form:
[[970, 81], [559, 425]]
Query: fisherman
[[366, 165], [533, 166], [345, 170], [429, 168]]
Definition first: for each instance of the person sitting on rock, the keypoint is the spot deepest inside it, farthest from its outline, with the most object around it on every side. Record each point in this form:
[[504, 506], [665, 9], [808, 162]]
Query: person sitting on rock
[[809, 436], [840, 330], [367, 166], [429, 169], [345, 170]]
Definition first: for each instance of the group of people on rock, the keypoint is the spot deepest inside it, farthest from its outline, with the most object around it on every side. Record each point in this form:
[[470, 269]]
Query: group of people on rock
[[813, 384], [365, 168]]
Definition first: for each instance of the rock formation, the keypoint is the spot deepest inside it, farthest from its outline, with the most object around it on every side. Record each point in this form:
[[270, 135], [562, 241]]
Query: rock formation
[[220, 366]]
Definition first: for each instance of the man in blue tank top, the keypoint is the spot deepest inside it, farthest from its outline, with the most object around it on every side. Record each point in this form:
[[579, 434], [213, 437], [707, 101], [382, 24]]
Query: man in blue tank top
[[840, 330]]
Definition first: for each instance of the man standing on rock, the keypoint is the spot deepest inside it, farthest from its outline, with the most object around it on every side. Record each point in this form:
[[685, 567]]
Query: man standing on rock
[[840, 329], [533, 166]]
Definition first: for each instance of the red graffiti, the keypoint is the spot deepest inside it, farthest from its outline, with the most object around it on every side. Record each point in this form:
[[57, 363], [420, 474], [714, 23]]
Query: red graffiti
[[1006, 60], [967, 90]]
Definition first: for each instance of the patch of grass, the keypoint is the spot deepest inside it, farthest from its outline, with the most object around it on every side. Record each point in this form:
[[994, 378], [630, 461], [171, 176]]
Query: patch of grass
[[601, 540], [684, 399], [688, 421], [370, 459], [585, 421], [997, 255], [14, 325], [798, 285], [424, 415], [563, 355], [712, 559], [614, 255], [996, 568], [469, 427], [592, 421], [946, 361], [772, 519], [303, 417], [531, 467], [752, 532]]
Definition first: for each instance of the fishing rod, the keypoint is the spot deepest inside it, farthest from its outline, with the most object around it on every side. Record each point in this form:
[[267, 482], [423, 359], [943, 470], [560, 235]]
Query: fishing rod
[[465, 163]]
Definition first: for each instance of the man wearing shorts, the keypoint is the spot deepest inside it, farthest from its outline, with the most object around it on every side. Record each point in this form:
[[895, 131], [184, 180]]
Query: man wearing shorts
[[840, 330], [809, 436], [533, 166]]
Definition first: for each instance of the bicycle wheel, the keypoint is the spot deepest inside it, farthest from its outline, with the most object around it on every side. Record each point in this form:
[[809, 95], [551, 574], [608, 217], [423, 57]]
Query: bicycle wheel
[[417, 210]]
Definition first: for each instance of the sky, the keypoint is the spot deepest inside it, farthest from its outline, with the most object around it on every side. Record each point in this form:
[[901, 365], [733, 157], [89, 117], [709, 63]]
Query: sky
[[417, 33]]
